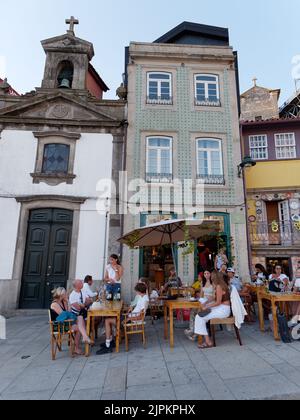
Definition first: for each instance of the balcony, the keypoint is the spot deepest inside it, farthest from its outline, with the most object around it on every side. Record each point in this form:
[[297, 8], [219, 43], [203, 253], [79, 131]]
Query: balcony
[[159, 100], [159, 178], [211, 179], [208, 102], [285, 234]]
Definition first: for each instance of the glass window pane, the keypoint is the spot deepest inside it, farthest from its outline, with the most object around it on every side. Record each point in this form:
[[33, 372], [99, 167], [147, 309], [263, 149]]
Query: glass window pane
[[160, 76], [152, 161], [165, 162], [203, 163], [164, 143], [207, 78], [56, 158], [153, 142], [208, 144]]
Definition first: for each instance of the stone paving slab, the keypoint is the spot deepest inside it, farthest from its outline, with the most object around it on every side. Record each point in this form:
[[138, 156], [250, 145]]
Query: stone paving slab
[[261, 369]]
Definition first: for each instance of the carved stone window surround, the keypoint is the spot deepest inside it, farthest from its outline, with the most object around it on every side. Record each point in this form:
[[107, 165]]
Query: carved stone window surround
[[54, 137]]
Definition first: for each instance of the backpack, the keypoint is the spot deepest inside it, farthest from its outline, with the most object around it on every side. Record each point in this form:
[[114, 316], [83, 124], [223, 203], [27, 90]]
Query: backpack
[[274, 286], [284, 328]]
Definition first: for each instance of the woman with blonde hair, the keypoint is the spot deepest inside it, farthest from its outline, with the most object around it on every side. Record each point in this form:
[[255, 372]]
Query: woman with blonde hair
[[219, 309], [59, 306]]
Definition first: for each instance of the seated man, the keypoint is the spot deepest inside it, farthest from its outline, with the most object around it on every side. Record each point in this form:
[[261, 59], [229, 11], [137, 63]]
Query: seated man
[[87, 288], [173, 282], [79, 300], [234, 281], [142, 304]]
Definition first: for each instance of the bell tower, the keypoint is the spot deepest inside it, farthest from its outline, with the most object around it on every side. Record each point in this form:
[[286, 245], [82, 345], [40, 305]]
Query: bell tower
[[67, 60]]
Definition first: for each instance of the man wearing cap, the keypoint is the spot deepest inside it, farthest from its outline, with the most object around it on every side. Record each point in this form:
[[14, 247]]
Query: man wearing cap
[[234, 280]]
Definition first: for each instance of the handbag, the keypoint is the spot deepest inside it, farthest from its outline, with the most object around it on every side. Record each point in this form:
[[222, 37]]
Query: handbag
[[203, 314], [284, 330]]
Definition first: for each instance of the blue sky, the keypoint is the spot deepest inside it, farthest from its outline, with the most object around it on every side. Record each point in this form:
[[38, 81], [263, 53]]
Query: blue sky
[[266, 34]]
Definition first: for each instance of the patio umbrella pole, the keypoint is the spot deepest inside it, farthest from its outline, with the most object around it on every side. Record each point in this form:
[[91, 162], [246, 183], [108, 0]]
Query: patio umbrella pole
[[174, 258]]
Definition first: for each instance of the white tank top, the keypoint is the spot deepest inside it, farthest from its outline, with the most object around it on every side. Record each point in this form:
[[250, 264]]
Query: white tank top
[[112, 273]]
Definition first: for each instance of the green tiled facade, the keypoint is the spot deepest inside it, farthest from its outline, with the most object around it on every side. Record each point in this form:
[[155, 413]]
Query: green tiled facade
[[185, 122]]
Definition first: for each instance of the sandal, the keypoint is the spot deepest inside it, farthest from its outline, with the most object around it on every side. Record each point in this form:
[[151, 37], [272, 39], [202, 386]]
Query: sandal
[[79, 353], [205, 346]]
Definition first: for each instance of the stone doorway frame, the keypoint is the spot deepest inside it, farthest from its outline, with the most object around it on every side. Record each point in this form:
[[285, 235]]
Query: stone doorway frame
[[39, 202]]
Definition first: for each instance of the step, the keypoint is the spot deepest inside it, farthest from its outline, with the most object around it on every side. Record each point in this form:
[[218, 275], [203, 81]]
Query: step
[[26, 313]]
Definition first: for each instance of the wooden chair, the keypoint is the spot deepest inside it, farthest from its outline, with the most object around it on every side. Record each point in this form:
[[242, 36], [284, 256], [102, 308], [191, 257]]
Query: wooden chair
[[60, 333], [156, 308], [134, 325], [228, 321], [249, 306]]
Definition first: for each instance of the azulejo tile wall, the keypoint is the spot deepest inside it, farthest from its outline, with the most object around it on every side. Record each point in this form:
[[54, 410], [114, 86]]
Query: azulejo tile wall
[[185, 120]]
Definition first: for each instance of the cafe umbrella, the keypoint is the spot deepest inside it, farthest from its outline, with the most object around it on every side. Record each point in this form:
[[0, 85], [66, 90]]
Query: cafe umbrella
[[170, 232]]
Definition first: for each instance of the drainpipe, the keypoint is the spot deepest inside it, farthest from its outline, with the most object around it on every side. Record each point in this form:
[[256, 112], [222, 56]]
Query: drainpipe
[[105, 240], [125, 125]]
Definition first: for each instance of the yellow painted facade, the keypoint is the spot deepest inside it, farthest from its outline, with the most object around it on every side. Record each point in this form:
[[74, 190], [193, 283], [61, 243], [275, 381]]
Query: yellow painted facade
[[272, 175]]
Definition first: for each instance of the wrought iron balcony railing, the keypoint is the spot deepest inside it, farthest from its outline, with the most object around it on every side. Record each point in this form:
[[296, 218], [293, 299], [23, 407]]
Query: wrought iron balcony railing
[[159, 101], [211, 179], [208, 102], [277, 233], [159, 178]]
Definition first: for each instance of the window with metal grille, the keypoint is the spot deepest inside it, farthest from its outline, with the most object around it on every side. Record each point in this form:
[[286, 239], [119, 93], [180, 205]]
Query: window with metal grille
[[159, 88], [159, 159], [207, 90], [210, 161]]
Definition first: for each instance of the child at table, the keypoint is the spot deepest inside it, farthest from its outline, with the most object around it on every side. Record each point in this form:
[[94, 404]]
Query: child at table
[[142, 303]]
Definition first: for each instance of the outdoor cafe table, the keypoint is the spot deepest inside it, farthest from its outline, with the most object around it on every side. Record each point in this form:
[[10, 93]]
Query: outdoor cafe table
[[274, 299], [169, 308], [107, 310]]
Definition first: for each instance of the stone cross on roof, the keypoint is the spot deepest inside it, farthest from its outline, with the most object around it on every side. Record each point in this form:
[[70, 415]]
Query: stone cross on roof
[[255, 81], [72, 22]]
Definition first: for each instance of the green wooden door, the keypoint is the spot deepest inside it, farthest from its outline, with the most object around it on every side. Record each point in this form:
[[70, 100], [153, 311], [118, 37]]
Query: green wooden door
[[47, 256]]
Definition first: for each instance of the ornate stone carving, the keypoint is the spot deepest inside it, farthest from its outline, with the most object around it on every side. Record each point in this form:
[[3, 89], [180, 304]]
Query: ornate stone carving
[[60, 111]]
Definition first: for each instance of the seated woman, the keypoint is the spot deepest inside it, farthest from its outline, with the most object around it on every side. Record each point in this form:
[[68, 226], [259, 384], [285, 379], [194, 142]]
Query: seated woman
[[59, 305], [207, 292], [261, 275], [220, 309], [110, 323], [278, 281]]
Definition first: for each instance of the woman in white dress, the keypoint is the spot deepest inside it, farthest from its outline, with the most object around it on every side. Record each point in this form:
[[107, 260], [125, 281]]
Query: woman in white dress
[[220, 309]]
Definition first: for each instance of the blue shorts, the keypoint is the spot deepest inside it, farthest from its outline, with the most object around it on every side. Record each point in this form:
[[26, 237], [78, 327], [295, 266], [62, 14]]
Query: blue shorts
[[113, 289]]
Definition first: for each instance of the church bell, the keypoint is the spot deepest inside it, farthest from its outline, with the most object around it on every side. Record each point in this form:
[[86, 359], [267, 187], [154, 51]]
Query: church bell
[[65, 84]]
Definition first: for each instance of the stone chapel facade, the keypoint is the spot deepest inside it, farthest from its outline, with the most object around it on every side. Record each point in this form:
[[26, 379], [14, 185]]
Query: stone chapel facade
[[57, 142]]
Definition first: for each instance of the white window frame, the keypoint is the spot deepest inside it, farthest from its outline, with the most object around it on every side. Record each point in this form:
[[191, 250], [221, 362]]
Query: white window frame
[[207, 102], [210, 151], [159, 100], [251, 148], [159, 177], [279, 147]]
